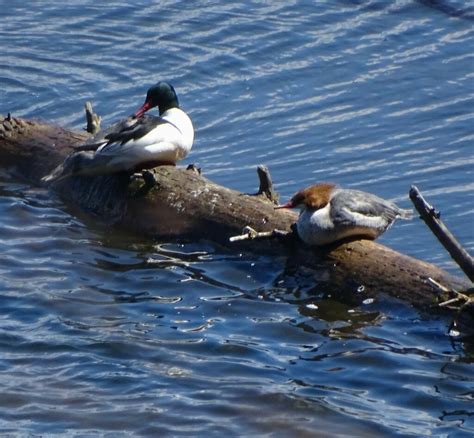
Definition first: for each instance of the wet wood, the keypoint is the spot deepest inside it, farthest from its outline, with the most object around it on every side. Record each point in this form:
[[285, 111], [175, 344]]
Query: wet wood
[[177, 204]]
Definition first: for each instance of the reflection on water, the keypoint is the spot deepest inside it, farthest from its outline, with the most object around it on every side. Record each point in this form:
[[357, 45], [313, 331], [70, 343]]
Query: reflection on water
[[105, 332]]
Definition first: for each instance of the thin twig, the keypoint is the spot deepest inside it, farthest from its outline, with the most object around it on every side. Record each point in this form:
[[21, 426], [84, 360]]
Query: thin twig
[[250, 234], [438, 285], [432, 218], [447, 303], [459, 296]]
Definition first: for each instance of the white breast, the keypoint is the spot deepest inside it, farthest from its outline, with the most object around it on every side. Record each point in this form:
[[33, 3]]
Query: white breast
[[181, 120], [315, 227], [168, 142]]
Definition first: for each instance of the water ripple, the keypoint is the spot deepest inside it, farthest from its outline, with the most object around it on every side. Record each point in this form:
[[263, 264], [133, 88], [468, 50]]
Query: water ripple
[[104, 333]]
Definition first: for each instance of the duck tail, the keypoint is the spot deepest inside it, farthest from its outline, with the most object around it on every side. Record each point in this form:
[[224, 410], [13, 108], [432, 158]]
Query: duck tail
[[55, 175], [74, 164]]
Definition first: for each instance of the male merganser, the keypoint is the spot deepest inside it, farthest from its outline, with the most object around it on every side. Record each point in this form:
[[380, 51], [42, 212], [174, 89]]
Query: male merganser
[[139, 142], [329, 214]]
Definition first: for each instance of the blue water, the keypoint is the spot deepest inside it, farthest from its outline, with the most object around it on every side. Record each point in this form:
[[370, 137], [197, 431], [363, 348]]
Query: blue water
[[106, 333]]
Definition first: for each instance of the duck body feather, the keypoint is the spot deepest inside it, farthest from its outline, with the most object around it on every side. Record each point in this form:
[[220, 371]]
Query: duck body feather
[[348, 213]]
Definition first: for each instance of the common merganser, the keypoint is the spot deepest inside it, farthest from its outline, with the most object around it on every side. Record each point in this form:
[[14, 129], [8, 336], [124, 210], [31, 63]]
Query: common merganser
[[329, 213], [139, 142]]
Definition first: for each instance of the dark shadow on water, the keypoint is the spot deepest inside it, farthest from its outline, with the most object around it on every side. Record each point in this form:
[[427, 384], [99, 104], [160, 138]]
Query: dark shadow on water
[[336, 313]]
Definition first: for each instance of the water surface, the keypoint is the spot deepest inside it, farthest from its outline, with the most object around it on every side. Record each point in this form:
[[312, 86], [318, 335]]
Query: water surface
[[103, 332]]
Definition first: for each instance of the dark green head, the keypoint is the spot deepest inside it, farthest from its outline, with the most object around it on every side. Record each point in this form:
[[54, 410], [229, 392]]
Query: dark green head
[[161, 95]]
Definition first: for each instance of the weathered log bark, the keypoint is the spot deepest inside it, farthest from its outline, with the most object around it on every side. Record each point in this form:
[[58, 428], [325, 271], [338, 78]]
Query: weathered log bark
[[181, 204]]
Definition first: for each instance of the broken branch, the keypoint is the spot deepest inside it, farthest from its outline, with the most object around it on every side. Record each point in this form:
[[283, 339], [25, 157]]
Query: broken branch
[[93, 120], [431, 217]]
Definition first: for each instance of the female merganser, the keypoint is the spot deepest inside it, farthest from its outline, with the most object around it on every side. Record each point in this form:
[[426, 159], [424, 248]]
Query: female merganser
[[139, 142], [329, 214]]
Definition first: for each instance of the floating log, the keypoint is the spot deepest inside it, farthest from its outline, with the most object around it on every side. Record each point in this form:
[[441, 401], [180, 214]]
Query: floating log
[[177, 204]]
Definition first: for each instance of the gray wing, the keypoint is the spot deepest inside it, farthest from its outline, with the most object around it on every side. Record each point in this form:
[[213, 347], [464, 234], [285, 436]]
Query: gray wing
[[353, 207], [133, 131], [99, 139], [121, 132]]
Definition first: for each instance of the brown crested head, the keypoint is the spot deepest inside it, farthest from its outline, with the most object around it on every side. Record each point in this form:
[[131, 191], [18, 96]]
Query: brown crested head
[[315, 197]]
